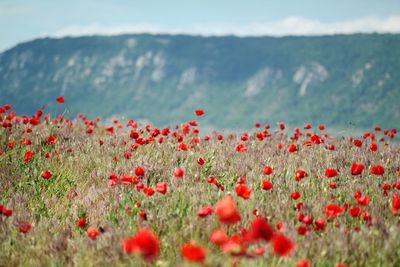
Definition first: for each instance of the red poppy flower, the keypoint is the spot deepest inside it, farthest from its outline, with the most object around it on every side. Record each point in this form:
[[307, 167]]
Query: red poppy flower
[[363, 201], [299, 205], [330, 173], [28, 156], [24, 226], [81, 222], [307, 220], [134, 135], [386, 187], [200, 161], [212, 180], [260, 229], [46, 174], [267, 170], [320, 224], [226, 211], [373, 146], [331, 147], [193, 253], [178, 173], [397, 185], [257, 252], [266, 185], [6, 212], [161, 187], [244, 137], [144, 242], [377, 170], [126, 180], [34, 121], [357, 143], [295, 195], [25, 142], [219, 237], [241, 148], [395, 203], [182, 147], [357, 168], [292, 148], [299, 174], [332, 185], [243, 191], [332, 210], [148, 191], [235, 245], [204, 212], [139, 171], [303, 263], [355, 212], [357, 194], [109, 129], [92, 233], [60, 99], [51, 140], [143, 215], [254, 212], [113, 179], [281, 245], [300, 216], [316, 139], [10, 144], [302, 230], [199, 112]]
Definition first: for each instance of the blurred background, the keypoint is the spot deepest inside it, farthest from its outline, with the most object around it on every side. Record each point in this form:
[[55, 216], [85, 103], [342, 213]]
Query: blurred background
[[310, 61]]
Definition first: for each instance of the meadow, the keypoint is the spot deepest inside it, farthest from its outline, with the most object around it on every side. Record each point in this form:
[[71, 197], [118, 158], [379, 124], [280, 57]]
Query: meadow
[[77, 192]]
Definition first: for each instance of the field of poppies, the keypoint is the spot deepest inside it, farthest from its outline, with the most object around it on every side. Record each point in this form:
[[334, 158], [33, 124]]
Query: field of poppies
[[80, 192]]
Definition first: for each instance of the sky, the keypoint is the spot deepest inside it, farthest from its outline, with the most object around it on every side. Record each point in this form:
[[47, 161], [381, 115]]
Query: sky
[[23, 20]]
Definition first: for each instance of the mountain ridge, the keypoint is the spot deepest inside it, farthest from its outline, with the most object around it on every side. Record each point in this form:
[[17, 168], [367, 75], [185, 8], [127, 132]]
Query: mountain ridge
[[162, 78]]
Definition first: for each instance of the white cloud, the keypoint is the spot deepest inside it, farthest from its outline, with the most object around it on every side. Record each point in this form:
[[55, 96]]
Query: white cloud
[[286, 26], [76, 30]]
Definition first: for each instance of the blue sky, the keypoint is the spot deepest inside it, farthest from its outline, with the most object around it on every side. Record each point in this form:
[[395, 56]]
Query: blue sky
[[22, 20]]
